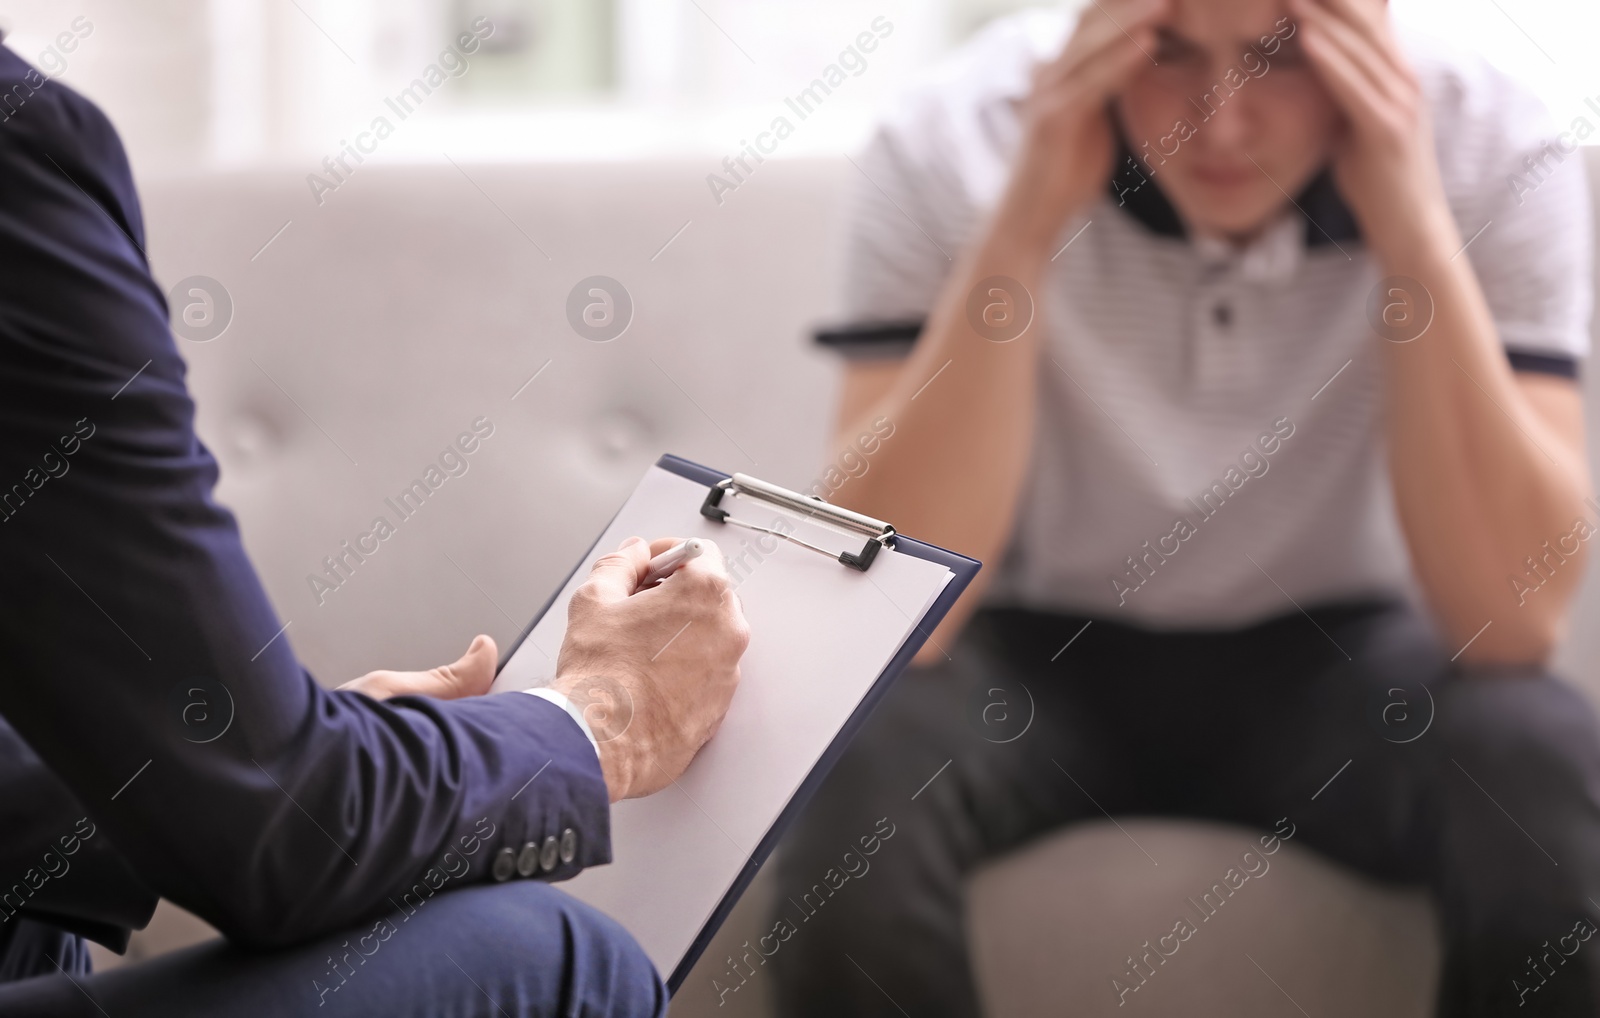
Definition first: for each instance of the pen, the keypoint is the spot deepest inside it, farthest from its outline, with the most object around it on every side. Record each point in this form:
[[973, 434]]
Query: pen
[[668, 562]]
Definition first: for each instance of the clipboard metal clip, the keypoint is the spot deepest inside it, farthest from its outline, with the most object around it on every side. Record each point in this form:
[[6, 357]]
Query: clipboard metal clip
[[879, 534]]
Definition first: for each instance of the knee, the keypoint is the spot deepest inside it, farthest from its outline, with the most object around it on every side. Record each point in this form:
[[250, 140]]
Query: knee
[[1524, 729], [601, 970], [601, 954], [904, 741]]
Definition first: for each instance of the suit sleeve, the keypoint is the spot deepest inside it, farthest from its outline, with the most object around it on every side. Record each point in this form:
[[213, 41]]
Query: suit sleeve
[[61, 869], [141, 663]]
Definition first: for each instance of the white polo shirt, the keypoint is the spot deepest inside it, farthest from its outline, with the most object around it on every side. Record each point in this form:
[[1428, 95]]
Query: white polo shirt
[[1210, 441]]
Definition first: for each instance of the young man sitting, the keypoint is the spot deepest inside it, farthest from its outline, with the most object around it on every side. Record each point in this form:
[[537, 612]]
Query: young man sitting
[[1240, 340]]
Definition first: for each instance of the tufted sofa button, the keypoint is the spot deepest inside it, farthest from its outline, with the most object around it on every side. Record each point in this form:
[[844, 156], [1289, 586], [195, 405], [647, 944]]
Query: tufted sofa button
[[616, 434], [252, 436]]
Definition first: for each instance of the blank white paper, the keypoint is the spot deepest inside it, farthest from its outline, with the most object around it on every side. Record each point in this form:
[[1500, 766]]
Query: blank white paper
[[821, 634]]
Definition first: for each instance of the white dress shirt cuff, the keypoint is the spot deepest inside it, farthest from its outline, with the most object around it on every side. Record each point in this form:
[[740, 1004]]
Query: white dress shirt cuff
[[565, 703]]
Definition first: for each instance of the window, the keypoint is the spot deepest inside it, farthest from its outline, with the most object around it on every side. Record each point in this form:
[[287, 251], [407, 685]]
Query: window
[[247, 80]]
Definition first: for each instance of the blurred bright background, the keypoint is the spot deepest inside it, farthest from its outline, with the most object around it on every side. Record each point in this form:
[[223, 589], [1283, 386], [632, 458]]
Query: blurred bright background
[[202, 83]]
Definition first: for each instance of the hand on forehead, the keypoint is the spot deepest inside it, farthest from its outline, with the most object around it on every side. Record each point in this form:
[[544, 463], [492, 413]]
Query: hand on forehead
[[1228, 25], [1223, 27]]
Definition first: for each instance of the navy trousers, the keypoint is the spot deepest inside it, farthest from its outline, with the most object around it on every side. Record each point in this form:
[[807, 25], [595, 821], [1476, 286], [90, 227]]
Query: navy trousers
[[509, 950], [1481, 784]]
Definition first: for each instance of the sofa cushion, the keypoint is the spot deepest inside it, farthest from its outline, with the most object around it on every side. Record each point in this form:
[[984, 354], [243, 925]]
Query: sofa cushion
[[1084, 919]]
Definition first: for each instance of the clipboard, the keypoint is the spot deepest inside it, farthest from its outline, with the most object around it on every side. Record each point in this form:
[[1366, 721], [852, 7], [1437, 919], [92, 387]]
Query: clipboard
[[684, 856]]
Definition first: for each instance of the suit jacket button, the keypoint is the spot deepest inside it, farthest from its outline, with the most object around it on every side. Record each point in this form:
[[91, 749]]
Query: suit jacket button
[[505, 863], [548, 854], [528, 859], [569, 845]]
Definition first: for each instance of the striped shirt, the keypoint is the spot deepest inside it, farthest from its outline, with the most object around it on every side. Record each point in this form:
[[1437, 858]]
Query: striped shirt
[[1210, 438]]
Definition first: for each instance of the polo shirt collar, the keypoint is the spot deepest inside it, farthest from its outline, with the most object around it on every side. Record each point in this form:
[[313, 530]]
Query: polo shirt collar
[[1271, 257], [1327, 218]]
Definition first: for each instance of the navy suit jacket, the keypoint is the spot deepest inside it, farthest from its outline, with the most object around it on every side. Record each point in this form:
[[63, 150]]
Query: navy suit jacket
[[126, 587]]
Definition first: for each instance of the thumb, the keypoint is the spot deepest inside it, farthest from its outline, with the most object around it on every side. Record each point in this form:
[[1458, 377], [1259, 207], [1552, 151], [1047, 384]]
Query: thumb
[[469, 675], [473, 673], [616, 576]]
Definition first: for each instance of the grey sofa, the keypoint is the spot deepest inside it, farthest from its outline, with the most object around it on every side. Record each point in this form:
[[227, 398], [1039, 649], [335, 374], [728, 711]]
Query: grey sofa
[[371, 328]]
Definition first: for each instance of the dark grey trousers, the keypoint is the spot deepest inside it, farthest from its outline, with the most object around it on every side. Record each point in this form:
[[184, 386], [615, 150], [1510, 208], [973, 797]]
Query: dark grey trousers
[[1482, 784]]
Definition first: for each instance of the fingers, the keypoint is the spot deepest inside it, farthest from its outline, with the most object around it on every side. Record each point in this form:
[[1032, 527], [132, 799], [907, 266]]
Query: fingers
[[1060, 108], [1104, 21], [617, 575], [1112, 41], [707, 574], [1108, 25], [709, 560], [469, 675], [1108, 72], [1345, 63], [1346, 26], [1368, 17]]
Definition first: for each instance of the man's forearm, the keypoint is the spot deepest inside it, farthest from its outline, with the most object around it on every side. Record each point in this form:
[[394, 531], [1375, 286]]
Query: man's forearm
[[963, 408], [1484, 467], [1481, 480]]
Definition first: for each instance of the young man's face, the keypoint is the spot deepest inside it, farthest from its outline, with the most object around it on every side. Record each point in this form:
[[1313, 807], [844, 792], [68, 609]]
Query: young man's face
[[1230, 86]]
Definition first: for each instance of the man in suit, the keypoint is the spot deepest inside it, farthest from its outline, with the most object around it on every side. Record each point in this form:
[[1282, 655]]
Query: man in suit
[[362, 834]]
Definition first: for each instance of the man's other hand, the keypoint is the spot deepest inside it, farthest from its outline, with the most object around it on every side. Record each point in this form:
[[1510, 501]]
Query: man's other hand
[[469, 675], [652, 670], [1067, 149]]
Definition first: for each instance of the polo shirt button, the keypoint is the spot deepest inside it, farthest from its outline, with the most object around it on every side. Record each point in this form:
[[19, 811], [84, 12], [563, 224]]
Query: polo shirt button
[[528, 859], [547, 855], [569, 845], [505, 863]]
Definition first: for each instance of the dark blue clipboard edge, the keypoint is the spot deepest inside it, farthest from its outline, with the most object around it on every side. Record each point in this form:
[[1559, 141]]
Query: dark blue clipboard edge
[[964, 569]]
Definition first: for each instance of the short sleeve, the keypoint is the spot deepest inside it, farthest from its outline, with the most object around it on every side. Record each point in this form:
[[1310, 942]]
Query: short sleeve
[[894, 262], [1521, 197], [904, 227], [937, 161]]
